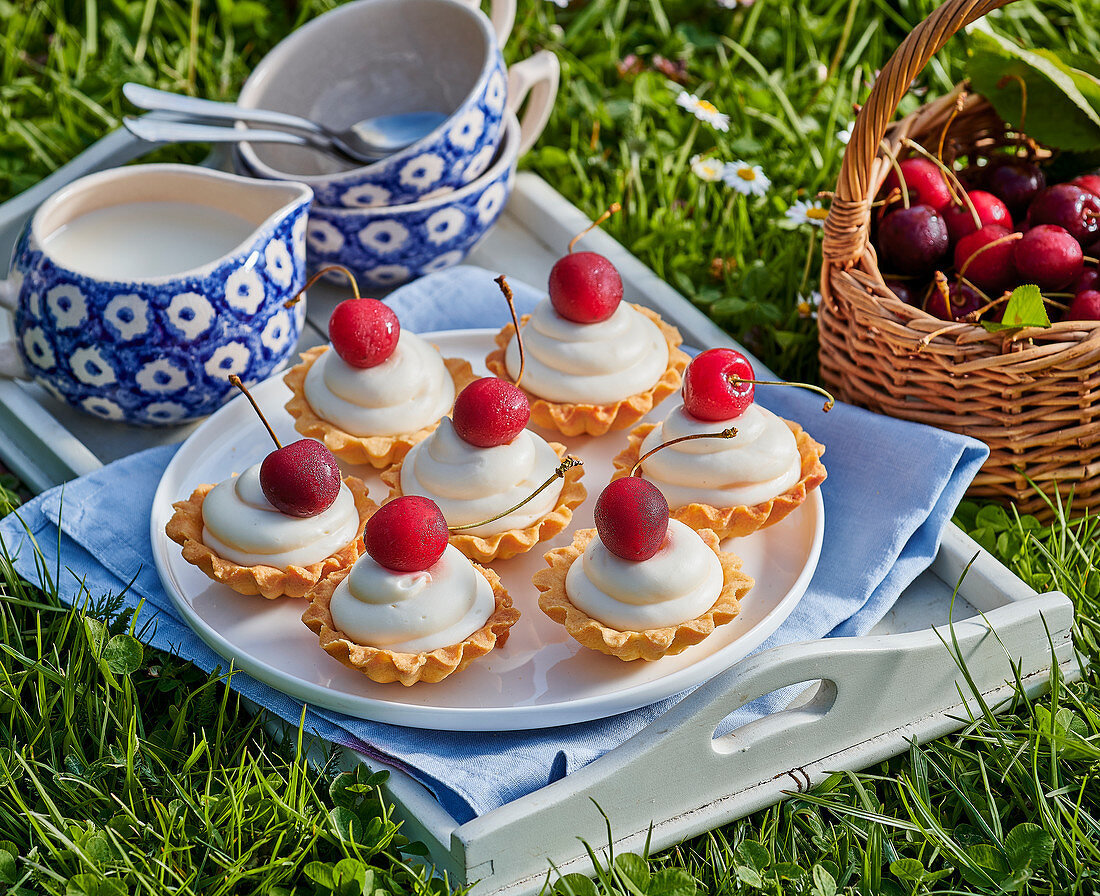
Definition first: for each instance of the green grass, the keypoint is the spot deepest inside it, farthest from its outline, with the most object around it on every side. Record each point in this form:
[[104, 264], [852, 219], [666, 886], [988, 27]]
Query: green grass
[[124, 770]]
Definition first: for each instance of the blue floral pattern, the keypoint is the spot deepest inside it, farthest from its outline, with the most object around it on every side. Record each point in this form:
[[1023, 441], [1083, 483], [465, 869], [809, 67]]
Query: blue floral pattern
[[159, 352], [386, 247]]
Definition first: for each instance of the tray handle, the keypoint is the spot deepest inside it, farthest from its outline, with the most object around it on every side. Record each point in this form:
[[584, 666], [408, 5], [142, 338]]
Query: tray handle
[[877, 688]]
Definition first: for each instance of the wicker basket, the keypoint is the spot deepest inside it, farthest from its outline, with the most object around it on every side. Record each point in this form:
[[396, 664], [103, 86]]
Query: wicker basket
[[1032, 395]]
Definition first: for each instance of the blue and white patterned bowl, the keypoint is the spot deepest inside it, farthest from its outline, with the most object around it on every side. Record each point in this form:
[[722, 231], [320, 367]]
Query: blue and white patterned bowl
[[158, 350], [380, 57], [387, 246]]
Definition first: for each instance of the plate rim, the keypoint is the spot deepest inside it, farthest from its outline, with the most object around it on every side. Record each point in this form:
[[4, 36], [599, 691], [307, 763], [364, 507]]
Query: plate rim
[[465, 718]]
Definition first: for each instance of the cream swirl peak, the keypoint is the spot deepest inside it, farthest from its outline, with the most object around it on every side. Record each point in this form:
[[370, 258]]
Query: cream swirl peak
[[593, 363], [412, 612], [678, 583], [407, 392], [240, 525], [471, 484], [756, 465]]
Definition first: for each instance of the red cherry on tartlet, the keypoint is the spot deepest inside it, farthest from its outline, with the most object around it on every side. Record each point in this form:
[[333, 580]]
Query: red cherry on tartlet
[[585, 287], [709, 391], [364, 332], [632, 518], [301, 479], [409, 534], [490, 412]]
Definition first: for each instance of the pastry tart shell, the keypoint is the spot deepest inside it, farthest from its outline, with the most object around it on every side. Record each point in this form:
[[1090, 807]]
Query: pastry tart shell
[[730, 522], [575, 419], [386, 666], [651, 644], [186, 525], [510, 542], [376, 451]]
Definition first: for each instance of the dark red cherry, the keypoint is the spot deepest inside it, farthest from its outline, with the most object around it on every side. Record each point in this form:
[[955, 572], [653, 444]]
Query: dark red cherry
[[990, 269], [1075, 210], [1015, 182], [913, 240], [300, 479], [954, 301], [990, 209], [364, 332], [1048, 257], [632, 518], [409, 534], [1089, 278], [924, 181], [585, 287], [909, 291], [709, 391], [1085, 306], [490, 412]]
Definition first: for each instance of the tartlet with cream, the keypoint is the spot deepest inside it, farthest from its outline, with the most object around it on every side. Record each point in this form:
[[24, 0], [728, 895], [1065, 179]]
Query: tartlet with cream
[[378, 392], [479, 466], [732, 486], [640, 585], [412, 608]]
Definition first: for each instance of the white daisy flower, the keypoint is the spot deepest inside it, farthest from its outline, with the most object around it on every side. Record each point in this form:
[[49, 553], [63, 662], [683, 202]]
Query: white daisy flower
[[704, 110], [734, 4], [807, 305], [745, 178], [804, 212], [845, 135], [707, 169]]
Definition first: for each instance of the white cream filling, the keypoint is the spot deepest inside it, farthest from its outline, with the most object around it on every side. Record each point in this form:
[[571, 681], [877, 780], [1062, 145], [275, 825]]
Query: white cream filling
[[471, 484], [757, 464], [598, 363], [408, 391], [239, 524], [412, 612], [680, 582]]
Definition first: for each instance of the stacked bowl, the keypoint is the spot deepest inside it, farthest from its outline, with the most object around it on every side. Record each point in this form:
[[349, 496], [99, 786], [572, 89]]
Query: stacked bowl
[[426, 206]]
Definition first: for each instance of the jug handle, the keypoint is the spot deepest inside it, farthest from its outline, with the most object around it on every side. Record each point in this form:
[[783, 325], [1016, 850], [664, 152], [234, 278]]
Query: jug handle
[[502, 13], [538, 76]]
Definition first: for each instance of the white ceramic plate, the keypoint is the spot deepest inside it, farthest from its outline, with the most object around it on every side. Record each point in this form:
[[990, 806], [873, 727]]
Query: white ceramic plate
[[541, 678]]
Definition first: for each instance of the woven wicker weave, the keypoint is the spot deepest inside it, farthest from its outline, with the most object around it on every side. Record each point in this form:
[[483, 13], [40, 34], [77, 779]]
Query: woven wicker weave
[[1032, 395]]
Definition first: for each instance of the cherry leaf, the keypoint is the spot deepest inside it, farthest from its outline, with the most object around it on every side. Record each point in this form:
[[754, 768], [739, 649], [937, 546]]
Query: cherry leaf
[[1025, 308]]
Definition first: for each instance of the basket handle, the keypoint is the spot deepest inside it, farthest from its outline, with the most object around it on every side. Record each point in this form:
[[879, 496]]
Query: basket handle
[[847, 225]]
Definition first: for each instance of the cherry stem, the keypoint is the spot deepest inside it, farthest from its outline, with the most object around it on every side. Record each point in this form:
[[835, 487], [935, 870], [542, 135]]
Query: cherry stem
[[893, 160], [297, 297], [729, 433], [1007, 238], [950, 179], [1023, 96], [735, 380], [236, 381], [960, 101], [568, 463], [510, 299], [613, 208]]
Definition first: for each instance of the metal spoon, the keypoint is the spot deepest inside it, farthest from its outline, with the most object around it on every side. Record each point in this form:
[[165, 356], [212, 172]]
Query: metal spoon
[[365, 141]]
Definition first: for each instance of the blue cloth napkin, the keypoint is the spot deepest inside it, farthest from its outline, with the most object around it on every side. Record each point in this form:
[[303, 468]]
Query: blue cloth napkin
[[892, 488]]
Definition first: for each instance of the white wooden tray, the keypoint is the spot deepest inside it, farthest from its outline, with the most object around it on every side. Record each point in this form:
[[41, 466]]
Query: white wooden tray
[[866, 698]]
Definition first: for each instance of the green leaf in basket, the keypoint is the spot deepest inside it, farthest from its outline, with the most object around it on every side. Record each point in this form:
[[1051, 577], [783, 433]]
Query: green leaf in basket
[[1063, 103], [1025, 308]]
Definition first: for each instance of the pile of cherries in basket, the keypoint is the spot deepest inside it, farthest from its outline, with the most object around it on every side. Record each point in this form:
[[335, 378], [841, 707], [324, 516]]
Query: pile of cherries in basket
[[957, 244]]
